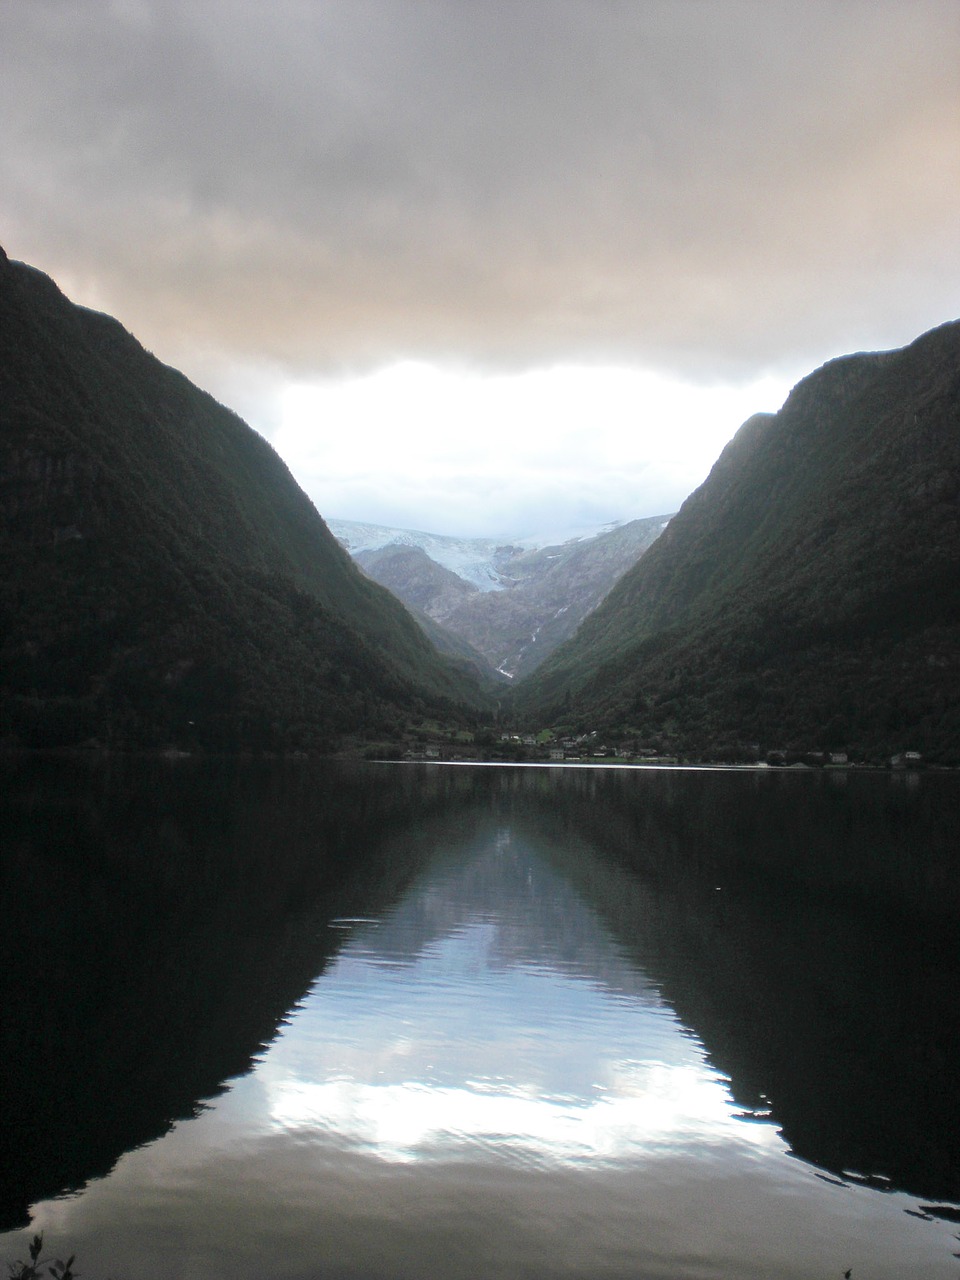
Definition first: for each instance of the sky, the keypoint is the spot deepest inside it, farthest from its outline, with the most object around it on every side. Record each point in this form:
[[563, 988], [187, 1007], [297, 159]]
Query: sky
[[485, 267]]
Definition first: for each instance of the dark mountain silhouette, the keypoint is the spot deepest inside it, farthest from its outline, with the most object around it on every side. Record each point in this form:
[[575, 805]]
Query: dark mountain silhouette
[[164, 580], [805, 928], [185, 908], [808, 592]]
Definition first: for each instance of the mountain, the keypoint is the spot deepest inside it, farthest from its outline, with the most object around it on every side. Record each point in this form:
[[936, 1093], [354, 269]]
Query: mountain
[[554, 588], [163, 580], [424, 587], [479, 562], [421, 583], [512, 602], [808, 593]]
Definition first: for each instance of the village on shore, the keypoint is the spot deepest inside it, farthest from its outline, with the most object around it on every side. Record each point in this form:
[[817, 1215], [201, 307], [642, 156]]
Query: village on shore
[[593, 748]]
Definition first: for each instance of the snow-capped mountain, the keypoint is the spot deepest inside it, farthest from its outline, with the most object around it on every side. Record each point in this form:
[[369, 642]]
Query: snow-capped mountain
[[479, 561], [484, 562], [513, 601]]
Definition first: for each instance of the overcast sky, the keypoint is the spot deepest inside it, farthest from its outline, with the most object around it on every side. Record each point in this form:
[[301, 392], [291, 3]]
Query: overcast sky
[[482, 266]]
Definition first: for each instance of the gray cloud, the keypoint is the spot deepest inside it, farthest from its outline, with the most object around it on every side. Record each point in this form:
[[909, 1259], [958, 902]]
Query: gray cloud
[[714, 188]]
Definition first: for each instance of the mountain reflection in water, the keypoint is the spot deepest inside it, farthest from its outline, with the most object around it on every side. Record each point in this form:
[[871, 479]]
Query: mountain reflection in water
[[469, 1021], [492, 1010]]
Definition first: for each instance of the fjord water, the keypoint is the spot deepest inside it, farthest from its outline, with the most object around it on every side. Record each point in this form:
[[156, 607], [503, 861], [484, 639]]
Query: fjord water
[[427, 1021]]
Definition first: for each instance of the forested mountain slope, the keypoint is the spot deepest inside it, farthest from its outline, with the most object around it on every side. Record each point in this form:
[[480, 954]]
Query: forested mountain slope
[[163, 580], [808, 593]]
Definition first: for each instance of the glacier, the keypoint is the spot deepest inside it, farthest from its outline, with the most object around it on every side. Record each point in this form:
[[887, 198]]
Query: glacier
[[483, 562]]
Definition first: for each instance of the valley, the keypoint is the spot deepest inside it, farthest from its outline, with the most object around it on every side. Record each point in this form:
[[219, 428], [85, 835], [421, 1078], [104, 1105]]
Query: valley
[[166, 584], [513, 603]]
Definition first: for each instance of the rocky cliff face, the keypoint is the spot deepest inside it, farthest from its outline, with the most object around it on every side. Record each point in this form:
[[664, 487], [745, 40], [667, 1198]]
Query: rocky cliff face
[[554, 589], [513, 604], [417, 580]]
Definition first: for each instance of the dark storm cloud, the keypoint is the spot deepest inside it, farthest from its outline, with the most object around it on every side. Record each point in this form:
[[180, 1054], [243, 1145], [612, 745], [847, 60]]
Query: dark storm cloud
[[712, 186]]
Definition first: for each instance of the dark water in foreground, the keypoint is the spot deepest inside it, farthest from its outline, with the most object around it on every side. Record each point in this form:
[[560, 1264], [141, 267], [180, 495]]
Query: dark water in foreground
[[427, 1021]]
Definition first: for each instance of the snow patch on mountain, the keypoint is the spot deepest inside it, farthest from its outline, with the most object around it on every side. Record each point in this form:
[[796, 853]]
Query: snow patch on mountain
[[484, 562], [560, 536], [479, 561]]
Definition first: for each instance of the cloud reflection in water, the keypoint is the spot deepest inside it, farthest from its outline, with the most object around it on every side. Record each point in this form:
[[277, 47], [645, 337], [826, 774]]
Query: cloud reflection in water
[[462, 1027]]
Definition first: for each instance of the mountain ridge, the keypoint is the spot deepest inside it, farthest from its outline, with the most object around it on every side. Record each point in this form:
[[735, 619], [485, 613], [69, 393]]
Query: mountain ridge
[[164, 578], [809, 590], [513, 602], [484, 562], [165, 582]]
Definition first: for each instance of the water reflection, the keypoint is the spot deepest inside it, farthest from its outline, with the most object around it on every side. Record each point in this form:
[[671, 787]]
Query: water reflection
[[810, 935], [159, 921], [462, 1022], [492, 1012]]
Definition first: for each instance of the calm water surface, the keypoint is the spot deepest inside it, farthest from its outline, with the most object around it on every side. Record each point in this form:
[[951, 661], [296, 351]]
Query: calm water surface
[[417, 1021]]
